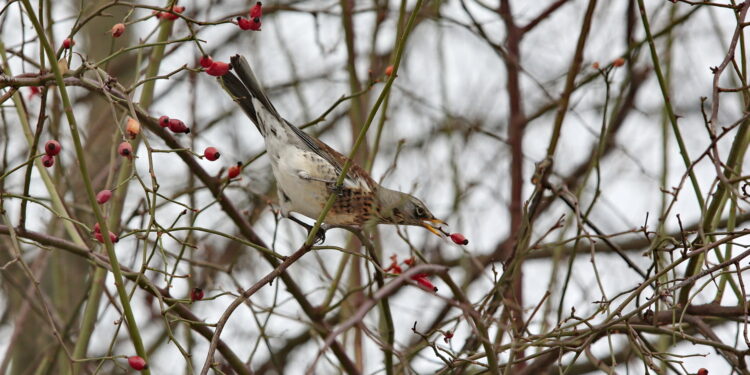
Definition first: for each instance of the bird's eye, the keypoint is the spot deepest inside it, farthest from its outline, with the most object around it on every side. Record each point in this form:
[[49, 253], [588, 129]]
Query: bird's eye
[[419, 211]]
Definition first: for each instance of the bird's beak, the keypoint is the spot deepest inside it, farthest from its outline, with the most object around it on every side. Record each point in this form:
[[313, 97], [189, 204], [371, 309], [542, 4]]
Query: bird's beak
[[433, 225]]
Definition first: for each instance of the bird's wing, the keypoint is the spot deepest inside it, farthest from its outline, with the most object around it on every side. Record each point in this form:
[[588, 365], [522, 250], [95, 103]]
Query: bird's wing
[[249, 94]]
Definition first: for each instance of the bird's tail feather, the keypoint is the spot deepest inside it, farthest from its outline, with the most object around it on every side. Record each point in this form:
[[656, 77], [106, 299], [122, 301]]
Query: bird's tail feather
[[243, 86]]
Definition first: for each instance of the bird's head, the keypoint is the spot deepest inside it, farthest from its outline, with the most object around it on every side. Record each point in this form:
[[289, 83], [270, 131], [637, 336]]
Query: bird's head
[[405, 209]]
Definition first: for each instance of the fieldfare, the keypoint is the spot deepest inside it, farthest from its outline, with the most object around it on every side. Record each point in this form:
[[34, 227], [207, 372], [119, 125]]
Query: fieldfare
[[306, 169]]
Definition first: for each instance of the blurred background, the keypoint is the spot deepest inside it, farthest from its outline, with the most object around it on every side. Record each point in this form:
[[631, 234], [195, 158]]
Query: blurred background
[[592, 153]]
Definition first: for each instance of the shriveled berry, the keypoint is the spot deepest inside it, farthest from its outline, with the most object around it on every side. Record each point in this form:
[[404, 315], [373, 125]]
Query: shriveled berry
[[196, 294], [389, 70], [68, 43], [137, 363], [52, 147], [171, 16], [218, 69], [234, 170], [257, 10], [125, 149], [117, 30], [48, 160], [103, 196], [177, 126], [459, 239], [618, 62], [211, 153], [133, 128], [206, 61], [164, 121]]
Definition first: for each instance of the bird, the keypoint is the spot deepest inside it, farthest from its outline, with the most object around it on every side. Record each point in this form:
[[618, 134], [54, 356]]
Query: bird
[[306, 169]]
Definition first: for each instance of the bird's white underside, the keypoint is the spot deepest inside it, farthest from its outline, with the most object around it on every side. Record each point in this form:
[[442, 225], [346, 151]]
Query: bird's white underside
[[301, 175]]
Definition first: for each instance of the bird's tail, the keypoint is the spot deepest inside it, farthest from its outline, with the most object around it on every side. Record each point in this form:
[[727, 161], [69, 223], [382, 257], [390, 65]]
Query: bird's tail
[[244, 87]]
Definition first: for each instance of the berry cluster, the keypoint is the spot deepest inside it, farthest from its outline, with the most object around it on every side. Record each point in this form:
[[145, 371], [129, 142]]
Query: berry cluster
[[51, 148], [253, 21]]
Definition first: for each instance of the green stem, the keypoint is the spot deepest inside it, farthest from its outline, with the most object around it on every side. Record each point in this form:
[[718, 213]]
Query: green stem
[[80, 154]]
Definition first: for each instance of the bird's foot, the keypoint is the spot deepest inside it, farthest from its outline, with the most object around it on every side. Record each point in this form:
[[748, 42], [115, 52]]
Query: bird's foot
[[320, 235], [336, 189]]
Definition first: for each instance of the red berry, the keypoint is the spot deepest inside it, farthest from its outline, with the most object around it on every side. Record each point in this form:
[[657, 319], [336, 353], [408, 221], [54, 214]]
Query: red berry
[[97, 228], [448, 336], [137, 363], [206, 61], [255, 24], [459, 239], [103, 196], [177, 126], [117, 30], [98, 235], [618, 62], [218, 69], [702, 371], [243, 23], [52, 147], [234, 170], [421, 279], [211, 153], [389, 70], [68, 42], [171, 16], [196, 294], [257, 10], [125, 149], [409, 261], [164, 121], [34, 91], [48, 160]]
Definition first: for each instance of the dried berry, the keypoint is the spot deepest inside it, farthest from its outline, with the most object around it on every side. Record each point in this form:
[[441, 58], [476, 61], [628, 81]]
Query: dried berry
[[137, 363], [206, 61], [177, 126], [52, 147], [117, 30], [257, 10], [196, 294], [103, 196], [211, 153], [133, 128], [218, 68], [618, 62], [125, 149], [234, 170], [48, 160], [164, 121], [389, 70], [459, 239]]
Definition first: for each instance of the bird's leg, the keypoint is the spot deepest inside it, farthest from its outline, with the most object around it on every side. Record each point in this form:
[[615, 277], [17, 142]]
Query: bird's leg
[[320, 236]]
